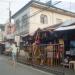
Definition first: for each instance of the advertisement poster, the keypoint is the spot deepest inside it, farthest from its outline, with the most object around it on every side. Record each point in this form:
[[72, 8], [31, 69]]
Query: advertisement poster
[[72, 48]]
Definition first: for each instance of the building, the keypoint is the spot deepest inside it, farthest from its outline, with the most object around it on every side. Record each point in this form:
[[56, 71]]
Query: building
[[36, 15], [2, 28], [9, 30], [2, 46]]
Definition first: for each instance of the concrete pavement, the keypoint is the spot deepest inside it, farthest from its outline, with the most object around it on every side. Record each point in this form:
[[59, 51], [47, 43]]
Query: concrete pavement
[[6, 68]]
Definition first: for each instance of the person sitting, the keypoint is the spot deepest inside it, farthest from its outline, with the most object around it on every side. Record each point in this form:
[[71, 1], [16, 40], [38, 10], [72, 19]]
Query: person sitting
[[66, 62]]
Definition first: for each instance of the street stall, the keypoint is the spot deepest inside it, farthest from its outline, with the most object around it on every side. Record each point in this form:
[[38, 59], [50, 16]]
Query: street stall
[[69, 41], [43, 48], [66, 33]]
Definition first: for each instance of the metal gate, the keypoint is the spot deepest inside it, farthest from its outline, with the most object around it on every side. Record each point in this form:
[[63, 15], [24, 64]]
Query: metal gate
[[43, 54]]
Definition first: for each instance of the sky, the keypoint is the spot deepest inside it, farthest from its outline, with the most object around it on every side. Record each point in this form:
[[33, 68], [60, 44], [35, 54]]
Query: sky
[[15, 5]]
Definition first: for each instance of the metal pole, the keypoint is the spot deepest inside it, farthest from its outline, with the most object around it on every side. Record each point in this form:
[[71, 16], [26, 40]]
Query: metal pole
[[9, 13]]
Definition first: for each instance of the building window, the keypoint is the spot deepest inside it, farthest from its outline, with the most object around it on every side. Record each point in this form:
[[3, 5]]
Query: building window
[[58, 20], [18, 24], [43, 19], [24, 19]]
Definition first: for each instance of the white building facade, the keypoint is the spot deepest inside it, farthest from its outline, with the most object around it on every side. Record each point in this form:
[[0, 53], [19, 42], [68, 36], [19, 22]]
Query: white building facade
[[36, 15]]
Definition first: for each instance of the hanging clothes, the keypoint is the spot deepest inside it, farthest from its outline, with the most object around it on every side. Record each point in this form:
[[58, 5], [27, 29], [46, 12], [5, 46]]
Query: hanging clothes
[[37, 39]]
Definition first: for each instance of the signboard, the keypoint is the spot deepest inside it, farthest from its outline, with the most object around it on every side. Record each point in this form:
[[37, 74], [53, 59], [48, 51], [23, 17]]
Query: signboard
[[72, 52], [10, 36], [10, 28], [17, 38], [67, 52], [72, 48]]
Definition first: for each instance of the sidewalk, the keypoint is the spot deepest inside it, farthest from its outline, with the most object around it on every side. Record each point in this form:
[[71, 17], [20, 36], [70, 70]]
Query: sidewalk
[[55, 70]]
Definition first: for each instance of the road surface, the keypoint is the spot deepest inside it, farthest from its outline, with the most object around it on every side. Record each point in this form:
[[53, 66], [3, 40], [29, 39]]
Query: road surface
[[6, 68]]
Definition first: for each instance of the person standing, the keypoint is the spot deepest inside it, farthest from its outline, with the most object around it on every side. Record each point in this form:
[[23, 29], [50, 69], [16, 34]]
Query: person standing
[[14, 52]]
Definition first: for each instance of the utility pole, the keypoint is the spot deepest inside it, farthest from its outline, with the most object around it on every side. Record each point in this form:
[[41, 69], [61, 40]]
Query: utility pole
[[50, 3], [8, 9], [9, 12]]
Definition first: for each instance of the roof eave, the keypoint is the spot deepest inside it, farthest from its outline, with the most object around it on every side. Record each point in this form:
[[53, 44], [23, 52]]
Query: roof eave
[[45, 7], [26, 6]]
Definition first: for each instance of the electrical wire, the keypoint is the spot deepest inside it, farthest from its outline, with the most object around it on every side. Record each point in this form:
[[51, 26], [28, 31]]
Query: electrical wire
[[39, 11]]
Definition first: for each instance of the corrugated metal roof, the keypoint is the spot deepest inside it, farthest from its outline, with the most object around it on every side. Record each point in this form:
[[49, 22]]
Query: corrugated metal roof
[[65, 28], [68, 23]]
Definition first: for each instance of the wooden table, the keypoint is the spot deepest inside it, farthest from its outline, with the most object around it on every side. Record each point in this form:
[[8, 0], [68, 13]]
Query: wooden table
[[70, 64]]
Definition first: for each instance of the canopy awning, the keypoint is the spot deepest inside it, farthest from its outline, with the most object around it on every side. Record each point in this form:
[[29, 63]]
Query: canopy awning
[[65, 28]]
